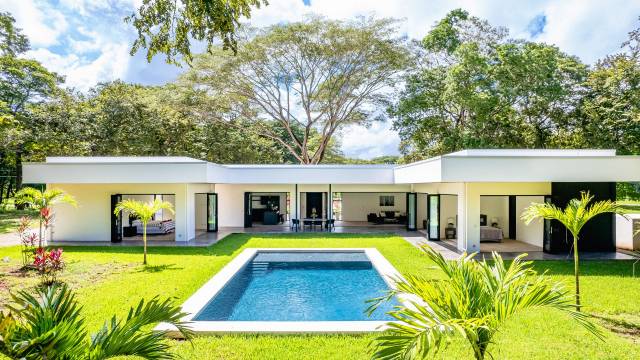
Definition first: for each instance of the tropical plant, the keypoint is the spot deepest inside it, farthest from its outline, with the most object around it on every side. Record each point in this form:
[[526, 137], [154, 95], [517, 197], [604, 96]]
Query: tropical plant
[[49, 325], [43, 201], [144, 212], [49, 264], [474, 300], [577, 213], [27, 240]]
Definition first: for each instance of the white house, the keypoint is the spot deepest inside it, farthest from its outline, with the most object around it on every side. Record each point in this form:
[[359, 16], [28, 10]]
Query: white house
[[467, 196]]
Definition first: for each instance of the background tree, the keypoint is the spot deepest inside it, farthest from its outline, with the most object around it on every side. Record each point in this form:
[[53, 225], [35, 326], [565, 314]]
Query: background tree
[[303, 80], [144, 212], [611, 104], [167, 26], [577, 213], [476, 88]]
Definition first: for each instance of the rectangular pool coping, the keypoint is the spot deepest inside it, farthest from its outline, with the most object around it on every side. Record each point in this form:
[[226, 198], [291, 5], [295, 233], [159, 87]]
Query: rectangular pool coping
[[211, 288]]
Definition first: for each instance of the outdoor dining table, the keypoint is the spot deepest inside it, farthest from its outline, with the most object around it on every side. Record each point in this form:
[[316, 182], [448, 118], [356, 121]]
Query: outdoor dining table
[[313, 222]]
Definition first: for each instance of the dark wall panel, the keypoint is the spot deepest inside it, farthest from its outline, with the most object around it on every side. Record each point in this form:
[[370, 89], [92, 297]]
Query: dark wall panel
[[598, 234]]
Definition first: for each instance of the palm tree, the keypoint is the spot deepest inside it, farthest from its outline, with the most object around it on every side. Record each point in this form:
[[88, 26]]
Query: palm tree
[[49, 325], [474, 300], [144, 212], [573, 217], [43, 201]]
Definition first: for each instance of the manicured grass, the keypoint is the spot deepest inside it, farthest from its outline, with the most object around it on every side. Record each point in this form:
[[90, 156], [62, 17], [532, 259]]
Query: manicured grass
[[9, 219], [110, 279]]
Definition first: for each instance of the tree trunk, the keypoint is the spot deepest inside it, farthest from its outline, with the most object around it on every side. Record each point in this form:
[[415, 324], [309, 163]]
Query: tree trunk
[[18, 170], [144, 242], [576, 266]]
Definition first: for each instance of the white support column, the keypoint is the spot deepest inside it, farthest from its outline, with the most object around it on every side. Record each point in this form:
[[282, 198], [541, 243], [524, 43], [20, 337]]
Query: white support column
[[330, 203], [471, 217]]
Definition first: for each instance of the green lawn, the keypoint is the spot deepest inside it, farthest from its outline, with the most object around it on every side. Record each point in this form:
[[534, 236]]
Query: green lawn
[[109, 280], [9, 219]]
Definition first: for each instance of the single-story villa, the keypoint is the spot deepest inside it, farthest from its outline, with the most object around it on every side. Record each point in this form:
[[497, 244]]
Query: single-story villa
[[467, 198]]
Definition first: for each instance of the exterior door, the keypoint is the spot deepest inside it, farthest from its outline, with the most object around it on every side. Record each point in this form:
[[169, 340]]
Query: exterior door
[[433, 217], [412, 199], [248, 221], [116, 219], [212, 212], [315, 201]]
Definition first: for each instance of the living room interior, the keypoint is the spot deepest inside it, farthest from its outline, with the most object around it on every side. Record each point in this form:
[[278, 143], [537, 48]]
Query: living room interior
[[365, 208]]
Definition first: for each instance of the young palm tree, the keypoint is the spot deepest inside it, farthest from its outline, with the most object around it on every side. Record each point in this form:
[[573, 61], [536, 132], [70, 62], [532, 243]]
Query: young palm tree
[[474, 300], [573, 217], [43, 201], [49, 326], [144, 212]]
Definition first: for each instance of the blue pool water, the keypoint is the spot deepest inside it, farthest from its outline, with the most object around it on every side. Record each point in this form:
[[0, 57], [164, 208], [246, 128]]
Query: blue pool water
[[289, 286]]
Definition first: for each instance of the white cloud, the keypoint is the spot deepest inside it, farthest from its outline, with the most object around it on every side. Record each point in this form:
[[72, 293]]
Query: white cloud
[[41, 22], [369, 142]]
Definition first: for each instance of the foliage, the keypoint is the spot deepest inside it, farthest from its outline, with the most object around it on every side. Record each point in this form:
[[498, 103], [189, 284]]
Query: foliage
[[474, 300], [49, 264], [144, 212], [12, 41], [574, 216], [476, 88], [28, 240], [301, 83], [168, 26], [628, 191], [49, 325], [43, 200]]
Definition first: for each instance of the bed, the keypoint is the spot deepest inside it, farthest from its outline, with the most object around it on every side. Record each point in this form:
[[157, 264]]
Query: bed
[[155, 226], [489, 233]]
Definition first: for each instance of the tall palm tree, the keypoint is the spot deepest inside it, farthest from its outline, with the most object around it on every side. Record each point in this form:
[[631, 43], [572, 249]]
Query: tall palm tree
[[49, 325], [43, 201], [144, 212], [474, 300], [577, 213]]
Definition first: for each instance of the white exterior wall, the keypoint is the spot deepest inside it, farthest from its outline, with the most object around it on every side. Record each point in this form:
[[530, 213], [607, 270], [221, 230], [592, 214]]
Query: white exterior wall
[[627, 236], [91, 220]]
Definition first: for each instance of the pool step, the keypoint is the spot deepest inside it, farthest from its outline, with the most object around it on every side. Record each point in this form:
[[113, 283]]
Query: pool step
[[259, 268]]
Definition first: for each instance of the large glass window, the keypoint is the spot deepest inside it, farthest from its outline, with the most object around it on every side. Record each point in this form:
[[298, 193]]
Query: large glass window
[[434, 217]]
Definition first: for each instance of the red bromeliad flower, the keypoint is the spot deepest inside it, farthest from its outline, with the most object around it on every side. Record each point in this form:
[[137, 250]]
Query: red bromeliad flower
[[47, 216], [48, 264]]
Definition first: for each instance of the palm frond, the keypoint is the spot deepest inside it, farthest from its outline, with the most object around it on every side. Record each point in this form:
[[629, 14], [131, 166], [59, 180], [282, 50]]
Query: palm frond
[[49, 325], [128, 337], [144, 211], [473, 301]]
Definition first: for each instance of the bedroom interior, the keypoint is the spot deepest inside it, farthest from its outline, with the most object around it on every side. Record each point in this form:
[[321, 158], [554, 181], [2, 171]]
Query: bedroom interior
[[501, 228], [161, 227]]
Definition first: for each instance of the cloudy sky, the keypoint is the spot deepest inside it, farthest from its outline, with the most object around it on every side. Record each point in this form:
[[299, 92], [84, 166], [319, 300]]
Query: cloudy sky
[[87, 41]]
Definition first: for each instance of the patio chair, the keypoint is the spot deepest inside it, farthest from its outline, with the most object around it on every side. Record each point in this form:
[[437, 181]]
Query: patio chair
[[295, 225], [317, 223], [330, 225], [306, 223]]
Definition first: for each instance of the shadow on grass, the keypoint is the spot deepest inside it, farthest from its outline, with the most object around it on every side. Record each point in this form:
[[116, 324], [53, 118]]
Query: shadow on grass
[[159, 268], [618, 268]]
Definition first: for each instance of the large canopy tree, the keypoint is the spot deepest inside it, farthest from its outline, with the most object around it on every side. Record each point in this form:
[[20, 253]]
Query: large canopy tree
[[300, 83], [475, 87], [168, 26]]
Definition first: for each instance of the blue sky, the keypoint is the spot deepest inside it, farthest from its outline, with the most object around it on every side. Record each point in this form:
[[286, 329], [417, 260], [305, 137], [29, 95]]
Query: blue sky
[[87, 41]]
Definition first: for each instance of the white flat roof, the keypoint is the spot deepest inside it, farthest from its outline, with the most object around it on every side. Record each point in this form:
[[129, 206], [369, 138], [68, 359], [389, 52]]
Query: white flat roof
[[479, 165]]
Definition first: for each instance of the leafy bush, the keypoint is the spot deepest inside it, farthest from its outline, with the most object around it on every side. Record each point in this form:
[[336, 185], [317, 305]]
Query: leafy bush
[[49, 264], [28, 240]]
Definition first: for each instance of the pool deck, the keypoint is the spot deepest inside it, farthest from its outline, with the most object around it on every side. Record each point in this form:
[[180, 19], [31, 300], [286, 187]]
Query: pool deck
[[416, 238]]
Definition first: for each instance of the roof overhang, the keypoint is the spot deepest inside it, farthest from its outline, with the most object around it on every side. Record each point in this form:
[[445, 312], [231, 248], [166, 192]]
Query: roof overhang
[[464, 166]]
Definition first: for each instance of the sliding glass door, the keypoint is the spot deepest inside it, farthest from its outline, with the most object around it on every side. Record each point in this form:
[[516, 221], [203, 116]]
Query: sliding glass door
[[116, 219], [433, 222], [412, 199], [212, 212]]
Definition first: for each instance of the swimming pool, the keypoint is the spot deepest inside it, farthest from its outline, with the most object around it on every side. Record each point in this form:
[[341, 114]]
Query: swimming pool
[[294, 290]]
